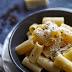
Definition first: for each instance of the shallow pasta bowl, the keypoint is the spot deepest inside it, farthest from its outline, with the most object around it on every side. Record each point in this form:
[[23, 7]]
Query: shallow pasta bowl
[[20, 30]]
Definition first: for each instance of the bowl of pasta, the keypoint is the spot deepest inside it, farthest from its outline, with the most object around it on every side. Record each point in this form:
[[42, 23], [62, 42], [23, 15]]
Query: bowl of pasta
[[42, 42]]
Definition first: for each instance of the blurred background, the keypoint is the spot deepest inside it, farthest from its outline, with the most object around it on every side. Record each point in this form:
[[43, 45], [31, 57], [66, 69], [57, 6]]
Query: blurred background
[[13, 11]]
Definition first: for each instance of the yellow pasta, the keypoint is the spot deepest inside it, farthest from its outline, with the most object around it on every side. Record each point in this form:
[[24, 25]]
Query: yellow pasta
[[29, 35], [24, 47], [43, 26], [68, 54], [36, 52], [47, 64], [63, 63], [53, 39], [66, 35], [32, 27], [66, 26], [58, 20], [67, 39], [31, 66], [38, 36], [43, 35], [55, 34]]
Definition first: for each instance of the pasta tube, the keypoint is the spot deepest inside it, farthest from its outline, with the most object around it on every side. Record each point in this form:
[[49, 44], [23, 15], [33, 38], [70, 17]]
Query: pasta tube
[[68, 54], [32, 27], [29, 35], [43, 26], [38, 36], [63, 63], [67, 38], [47, 64], [57, 20], [66, 34], [36, 52], [66, 26], [31, 66], [25, 47]]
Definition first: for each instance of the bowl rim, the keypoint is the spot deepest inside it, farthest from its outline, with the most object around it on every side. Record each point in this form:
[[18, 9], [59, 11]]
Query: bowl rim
[[19, 23]]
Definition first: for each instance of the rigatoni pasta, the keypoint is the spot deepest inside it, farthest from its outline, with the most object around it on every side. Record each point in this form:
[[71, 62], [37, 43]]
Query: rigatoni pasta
[[49, 46], [68, 54], [63, 63], [38, 36], [66, 33], [36, 52], [57, 20], [32, 27], [47, 64], [24, 47], [33, 67]]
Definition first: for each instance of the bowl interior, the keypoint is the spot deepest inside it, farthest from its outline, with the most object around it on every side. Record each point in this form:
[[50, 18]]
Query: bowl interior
[[19, 34]]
